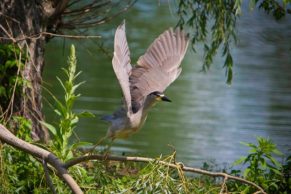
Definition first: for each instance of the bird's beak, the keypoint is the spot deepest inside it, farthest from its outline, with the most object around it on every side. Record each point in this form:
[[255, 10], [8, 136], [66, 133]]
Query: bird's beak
[[166, 99]]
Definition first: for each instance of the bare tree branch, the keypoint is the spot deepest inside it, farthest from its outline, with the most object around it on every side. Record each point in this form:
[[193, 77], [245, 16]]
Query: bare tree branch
[[39, 35], [86, 8], [10, 37], [89, 15], [223, 186], [61, 6], [7, 137]]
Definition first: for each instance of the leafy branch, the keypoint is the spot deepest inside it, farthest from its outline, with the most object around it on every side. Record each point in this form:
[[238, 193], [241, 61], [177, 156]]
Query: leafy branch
[[219, 17], [262, 167], [213, 24]]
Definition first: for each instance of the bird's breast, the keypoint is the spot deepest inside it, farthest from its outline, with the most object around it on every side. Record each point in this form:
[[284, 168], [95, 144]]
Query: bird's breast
[[137, 120], [124, 127]]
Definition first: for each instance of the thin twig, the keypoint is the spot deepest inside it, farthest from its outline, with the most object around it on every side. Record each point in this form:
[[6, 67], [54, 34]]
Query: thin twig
[[97, 22], [39, 35], [86, 8], [48, 178], [8, 34], [8, 17], [71, 36], [172, 165], [223, 185]]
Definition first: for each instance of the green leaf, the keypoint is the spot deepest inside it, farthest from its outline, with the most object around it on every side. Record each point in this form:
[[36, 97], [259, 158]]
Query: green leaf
[[69, 154], [3, 91], [263, 163], [249, 144], [229, 75], [58, 112], [50, 127], [74, 120], [10, 64], [240, 160], [62, 84], [85, 114], [76, 86], [248, 158], [60, 107], [246, 172], [274, 185], [275, 162], [277, 152], [78, 74], [276, 171]]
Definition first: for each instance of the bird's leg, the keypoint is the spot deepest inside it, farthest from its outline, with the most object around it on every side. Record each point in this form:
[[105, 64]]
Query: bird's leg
[[107, 149], [96, 144]]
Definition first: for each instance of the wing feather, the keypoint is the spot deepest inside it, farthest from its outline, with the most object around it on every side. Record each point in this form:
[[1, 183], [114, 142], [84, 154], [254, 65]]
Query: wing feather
[[121, 64], [159, 66]]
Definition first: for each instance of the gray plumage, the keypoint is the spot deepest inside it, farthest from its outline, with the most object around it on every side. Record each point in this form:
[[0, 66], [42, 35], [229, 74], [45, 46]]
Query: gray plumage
[[143, 84]]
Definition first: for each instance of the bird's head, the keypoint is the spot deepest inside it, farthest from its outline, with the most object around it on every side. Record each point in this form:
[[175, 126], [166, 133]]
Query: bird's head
[[159, 96]]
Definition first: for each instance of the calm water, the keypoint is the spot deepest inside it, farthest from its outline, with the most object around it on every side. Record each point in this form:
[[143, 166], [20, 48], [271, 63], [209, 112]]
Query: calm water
[[207, 119]]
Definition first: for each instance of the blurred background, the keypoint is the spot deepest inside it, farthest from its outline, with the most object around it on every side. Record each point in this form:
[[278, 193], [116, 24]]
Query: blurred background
[[207, 119]]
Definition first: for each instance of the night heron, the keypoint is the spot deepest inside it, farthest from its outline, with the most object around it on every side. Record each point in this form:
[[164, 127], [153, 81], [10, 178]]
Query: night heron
[[143, 84]]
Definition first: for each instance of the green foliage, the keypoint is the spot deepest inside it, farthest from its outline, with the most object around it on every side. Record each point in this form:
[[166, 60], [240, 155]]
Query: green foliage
[[23, 127], [277, 8], [156, 178], [19, 171], [264, 169], [64, 109], [220, 17], [129, 177], [12, 60], [213, 24], [287, 174]]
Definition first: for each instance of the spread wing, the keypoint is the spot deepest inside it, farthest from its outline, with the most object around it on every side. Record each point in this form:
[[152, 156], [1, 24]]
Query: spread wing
[[121, 64], [159, 66]]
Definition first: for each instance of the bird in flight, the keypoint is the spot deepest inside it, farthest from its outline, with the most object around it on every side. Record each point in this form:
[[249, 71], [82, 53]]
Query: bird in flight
[[143, 84]]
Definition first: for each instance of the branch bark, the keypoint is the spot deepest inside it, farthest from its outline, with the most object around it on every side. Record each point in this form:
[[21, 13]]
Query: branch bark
[[47, 177], [7, 137]]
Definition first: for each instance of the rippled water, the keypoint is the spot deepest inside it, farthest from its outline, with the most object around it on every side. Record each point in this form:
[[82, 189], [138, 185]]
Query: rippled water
[[207, 118]]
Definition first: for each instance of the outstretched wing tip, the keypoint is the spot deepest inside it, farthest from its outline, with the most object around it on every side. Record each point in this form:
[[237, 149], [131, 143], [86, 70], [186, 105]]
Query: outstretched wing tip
[[121, 62], [121, 25]]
